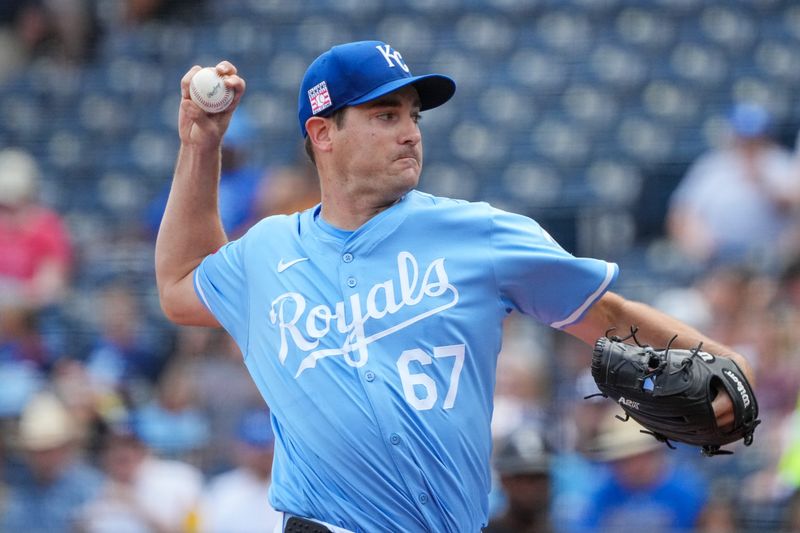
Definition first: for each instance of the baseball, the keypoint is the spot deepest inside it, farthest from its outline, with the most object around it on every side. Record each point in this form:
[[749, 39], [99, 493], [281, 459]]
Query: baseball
[[208, 90]]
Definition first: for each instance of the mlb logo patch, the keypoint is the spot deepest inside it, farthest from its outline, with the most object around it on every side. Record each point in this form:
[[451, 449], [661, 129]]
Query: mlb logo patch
[[319, 97]]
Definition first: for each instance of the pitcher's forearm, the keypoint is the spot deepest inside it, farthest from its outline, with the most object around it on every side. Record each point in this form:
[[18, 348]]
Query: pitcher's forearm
[[191, 228], [654, 328]]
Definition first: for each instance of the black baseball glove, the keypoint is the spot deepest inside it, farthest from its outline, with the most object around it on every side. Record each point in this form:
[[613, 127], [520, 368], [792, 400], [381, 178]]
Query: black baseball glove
[[669, 391]]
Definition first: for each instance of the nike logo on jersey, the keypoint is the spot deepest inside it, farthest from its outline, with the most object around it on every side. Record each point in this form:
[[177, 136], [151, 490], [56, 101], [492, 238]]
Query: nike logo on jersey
[[283, 266]]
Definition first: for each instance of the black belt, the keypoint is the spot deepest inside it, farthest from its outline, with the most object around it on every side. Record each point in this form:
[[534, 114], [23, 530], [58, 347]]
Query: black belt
[[296, 524]]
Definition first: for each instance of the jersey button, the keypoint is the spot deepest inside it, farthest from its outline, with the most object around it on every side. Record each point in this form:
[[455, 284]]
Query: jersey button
[[351, 282], [347, 258], [369, 375], [394, 439], [423, 498]]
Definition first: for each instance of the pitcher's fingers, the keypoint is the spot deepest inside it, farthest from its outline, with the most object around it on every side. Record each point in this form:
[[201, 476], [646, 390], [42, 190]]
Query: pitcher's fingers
[[723, 410], [192, 111], [226, 68], [187, 78], [238, 86]]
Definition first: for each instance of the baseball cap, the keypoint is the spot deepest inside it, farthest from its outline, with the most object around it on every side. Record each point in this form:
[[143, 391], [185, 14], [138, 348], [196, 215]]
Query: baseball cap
[[750, 120], [355, 73], [619, 440], [19, 175], [46, 423], [523, 451]]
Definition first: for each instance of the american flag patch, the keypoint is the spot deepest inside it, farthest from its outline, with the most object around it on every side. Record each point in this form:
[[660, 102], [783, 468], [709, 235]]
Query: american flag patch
[[319, 97]]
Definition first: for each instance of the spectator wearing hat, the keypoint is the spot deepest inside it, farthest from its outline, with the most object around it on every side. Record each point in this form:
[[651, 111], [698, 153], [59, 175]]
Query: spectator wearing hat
[[642, 487], [734, 205], [236, 501], [523, 464], [35, 248], [55, 482], [141, 492]]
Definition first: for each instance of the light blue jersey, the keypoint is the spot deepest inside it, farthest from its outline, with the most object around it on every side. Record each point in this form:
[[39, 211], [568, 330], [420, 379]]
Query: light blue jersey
[[376, 351]]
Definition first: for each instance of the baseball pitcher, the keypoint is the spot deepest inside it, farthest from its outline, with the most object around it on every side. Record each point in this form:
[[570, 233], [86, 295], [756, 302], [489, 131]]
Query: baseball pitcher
[[371, 323]]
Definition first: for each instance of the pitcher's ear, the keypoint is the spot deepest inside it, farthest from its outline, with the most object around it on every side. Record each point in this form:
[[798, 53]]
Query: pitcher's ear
[[319, 133]]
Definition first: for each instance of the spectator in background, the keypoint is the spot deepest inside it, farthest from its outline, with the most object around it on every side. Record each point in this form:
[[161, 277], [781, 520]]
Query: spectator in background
[[286, 190], [141, 11], [644, 488], [172, 424], [522, 377], [20, 339], [239, 180], [35, 249], [125, 353], [236, 501], [214, 365], [523, 464], [23, 358], [735, 203], [56, 483], [141, 492], [63, 30]]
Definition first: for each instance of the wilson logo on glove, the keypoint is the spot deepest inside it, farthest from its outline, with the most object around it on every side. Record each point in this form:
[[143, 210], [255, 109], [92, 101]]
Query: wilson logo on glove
[[739, 387]]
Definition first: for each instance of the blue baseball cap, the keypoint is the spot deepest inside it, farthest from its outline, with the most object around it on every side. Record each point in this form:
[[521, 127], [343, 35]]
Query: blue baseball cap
[[355, 73], [750, 120], [255, 429]]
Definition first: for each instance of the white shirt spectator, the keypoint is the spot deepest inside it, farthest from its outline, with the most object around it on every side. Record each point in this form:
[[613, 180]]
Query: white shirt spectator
[[236, 502]]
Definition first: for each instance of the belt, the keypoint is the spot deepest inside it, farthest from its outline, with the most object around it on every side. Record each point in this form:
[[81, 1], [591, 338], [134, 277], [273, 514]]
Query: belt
[[298, 524]]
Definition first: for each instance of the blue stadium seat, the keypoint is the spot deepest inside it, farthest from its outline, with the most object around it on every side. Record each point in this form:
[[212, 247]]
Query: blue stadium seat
[[413, 34], [700, 64], [448, 178], [537, 70], [477, 144], [670, 101], [728, 27], [566, 31], [778, 60], [507, 107], [614, 181], [485, 35], [591, 106], [644, 140], [560, 140], [315, 34], [621, 68], [532, 183], [153, 151], [23, 117], [650, 28]]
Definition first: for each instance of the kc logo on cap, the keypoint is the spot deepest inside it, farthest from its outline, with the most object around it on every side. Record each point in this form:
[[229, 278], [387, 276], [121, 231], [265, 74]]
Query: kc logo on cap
[[389, 54]]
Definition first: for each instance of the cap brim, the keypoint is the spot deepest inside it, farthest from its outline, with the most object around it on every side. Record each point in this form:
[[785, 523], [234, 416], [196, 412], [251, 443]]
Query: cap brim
[[433, 90]]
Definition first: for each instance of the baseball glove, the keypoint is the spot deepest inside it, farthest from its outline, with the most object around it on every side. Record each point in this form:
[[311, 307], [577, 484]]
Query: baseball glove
[[669, 392]]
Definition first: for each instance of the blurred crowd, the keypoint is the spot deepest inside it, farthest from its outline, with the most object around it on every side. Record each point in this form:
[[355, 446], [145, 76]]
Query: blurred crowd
[[732, 223], [114, 421]]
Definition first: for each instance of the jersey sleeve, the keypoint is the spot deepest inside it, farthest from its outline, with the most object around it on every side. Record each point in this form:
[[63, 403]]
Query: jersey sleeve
[[221, 284], [536, 276]]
